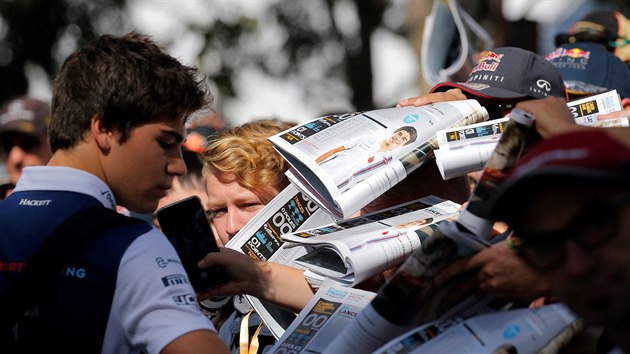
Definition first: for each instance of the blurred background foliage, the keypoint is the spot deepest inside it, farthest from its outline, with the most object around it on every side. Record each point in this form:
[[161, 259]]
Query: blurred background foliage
[[323, 44]]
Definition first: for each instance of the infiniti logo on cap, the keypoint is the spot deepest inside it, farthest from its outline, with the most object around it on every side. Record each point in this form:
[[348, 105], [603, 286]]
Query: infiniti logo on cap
[[544, 84]]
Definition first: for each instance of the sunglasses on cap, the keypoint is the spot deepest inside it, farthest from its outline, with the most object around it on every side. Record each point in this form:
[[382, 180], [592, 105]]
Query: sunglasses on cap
[[592, 36], [8, 140]]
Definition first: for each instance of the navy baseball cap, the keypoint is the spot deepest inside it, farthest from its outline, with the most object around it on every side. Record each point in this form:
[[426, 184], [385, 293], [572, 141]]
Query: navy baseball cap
[[509, 73], [588, 68], [25, 115], [609, 28]]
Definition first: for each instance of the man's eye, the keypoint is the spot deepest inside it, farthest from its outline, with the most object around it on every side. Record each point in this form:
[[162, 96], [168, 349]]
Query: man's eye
[[217, 213], [252, 206], [165, 144]]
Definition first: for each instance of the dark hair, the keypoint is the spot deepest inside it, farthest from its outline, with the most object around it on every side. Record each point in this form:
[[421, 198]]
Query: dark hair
[[413, 133], [127, 81]]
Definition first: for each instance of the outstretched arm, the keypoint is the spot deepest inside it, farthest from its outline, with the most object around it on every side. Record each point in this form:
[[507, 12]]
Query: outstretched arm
[[276, 283], [553, 117], [498, 270], [450, 95]]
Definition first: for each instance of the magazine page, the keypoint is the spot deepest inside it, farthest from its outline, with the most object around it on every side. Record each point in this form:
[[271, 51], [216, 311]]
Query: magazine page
[[343, 162], [479, 133], [353, 255], [260, 238], [327, 313], [526, 330], [465, 149], [585, 110], [447, 30]]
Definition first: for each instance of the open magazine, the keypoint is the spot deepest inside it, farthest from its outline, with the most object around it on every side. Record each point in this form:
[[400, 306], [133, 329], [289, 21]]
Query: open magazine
[[260, 238], [524, 330], [411, 297], [467, 149], [450, 43], [354, 254], [478, 326], [343, 162], [331, 309]]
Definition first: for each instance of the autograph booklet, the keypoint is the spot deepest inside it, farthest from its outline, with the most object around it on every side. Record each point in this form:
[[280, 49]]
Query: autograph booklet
[[343, 162], [467, 149], [352, 254], [260, 238], [522, 331]]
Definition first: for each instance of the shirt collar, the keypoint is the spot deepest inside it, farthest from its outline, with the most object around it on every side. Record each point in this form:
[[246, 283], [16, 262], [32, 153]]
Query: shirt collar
[[59, 178]]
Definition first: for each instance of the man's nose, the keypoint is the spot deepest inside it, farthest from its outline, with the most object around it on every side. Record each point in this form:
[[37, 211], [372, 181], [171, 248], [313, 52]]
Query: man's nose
[[177, 166], [234, 223]]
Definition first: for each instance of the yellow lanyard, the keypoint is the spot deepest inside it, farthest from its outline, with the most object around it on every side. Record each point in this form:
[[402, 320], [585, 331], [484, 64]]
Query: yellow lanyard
[[252, 348]]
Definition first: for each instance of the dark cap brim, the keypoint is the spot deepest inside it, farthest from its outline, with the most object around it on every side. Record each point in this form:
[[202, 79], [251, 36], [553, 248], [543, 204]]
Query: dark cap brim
[[508, 200], [487, 93]]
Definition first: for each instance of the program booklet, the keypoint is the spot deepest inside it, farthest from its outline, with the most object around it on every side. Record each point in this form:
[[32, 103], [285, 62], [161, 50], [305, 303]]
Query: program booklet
[[335, 307], [260, 238], [331, 309], [522, 331], [466, 149], [373, 243], [343, 162]]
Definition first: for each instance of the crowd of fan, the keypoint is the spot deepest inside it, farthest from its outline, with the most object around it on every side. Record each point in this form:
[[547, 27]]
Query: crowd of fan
[[117, 144]]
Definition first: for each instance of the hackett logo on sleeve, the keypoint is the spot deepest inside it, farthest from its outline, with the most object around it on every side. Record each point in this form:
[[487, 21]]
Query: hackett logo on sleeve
[[32, 202]]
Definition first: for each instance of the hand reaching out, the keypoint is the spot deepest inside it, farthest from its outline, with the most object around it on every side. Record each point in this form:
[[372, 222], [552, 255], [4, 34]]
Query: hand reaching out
[[498, 270], [274, 282], [450, 95]]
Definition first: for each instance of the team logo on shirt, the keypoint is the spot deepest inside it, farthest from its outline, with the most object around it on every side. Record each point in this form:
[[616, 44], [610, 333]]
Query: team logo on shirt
[[174, 279], [185, 299], [163, 262]]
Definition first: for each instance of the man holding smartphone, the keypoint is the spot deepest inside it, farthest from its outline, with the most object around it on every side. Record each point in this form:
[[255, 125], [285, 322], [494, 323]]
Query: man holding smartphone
[[117, 124]]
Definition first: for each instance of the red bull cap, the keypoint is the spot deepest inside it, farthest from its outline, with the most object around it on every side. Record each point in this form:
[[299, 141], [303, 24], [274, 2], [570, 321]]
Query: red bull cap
[[509, 73]]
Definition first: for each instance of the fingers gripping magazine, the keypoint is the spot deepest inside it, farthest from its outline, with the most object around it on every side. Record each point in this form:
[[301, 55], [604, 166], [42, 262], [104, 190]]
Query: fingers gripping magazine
[[343, 162]]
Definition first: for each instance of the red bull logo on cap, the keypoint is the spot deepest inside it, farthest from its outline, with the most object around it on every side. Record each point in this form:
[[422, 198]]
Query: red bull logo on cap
[[574, 53], [489, 61], [490, 55]]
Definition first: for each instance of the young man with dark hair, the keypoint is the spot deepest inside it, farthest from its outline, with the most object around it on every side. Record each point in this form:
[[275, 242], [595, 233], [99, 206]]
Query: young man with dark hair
[[117, 124]]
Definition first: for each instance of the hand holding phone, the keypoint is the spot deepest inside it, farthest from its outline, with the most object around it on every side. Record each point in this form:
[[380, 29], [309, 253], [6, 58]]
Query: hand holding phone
[[186, 226]]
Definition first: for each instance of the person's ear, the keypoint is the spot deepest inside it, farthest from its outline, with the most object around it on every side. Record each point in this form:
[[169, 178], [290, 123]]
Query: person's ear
[[625, 103], [102, 136]]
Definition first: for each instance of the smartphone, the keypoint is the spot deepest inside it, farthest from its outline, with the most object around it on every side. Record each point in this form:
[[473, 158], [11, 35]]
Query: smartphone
[[185, 224]]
